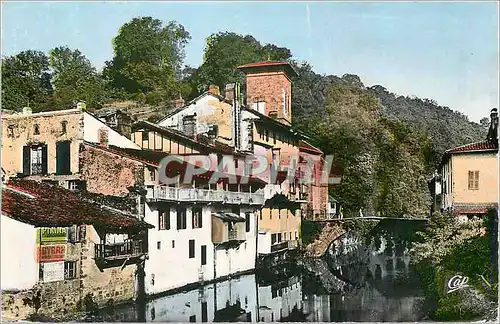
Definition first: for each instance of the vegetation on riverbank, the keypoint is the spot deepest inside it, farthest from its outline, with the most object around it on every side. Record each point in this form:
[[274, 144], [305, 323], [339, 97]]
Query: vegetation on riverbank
[[448, 248]]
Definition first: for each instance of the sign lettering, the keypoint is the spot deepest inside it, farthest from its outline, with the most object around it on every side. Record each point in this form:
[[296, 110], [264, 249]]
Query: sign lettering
[[47, 235], [53, 271], [456, 282], [48, 253]]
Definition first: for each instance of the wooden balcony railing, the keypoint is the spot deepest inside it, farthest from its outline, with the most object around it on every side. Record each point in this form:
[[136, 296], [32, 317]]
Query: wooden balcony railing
[[204, 195], [119, 251]]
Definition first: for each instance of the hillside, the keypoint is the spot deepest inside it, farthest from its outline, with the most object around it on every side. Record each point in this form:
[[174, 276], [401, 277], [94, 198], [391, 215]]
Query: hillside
[[445, 127]]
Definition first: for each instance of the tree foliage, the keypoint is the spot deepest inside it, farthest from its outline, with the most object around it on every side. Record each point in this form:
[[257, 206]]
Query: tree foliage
[[26, 81], [75, 79], [225, 51], [383, 161], [148, 58]]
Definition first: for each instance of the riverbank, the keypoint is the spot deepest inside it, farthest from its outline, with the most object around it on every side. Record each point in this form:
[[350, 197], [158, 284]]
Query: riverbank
[[448, 248]]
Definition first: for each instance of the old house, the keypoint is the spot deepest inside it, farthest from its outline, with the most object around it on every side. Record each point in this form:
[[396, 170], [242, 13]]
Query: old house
[[261, 128], [466, 183], [117, 119], [46, 146], [63, 252], [207, 229]]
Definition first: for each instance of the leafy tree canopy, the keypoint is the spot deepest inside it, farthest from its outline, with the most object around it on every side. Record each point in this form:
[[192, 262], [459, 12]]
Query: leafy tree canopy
[[26, 81], [148, 56], [75, 79], [225, 51]]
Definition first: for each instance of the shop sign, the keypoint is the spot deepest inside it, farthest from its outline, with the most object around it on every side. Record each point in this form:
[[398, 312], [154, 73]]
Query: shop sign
[[48, 235], [50, 253], [53, 271]]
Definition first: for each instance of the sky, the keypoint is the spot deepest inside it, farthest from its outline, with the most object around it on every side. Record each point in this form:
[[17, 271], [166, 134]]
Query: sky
[[446, 51]]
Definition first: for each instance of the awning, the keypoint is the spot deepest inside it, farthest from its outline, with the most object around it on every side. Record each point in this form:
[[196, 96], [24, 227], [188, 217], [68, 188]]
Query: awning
[[229, 217]]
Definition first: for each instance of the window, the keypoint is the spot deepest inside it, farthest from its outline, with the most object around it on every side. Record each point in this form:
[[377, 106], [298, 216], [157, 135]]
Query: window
[[74, 185], [236, 164], [279, 237], [173, 244], [74, 234], [158, 245], [69, 269], [203, 254], [64, 125], [260, 106], [10, 130], [204, 312], [36, 129], [273, 238], [103, 136], [145, 139], [191, 249], [285, 236], [152, 174], [35, 159], [197, 217], [247, 222], [473, 180], [192, 319], [163, 219], [181, 218], [63, 160]]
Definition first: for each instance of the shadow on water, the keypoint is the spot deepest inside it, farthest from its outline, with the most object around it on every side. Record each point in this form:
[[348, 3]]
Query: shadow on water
[[360, 279]]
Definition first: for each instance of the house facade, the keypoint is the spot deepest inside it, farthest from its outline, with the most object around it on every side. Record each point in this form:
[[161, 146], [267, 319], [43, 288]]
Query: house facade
[[467, 180], [261, 128], [69, 254], [46, 146], [207, 229]]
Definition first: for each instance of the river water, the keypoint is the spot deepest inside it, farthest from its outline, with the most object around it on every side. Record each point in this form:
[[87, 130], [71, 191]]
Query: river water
[[358, 280]]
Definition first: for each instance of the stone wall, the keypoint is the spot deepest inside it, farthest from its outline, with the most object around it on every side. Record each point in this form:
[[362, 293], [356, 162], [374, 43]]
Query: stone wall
[[61, 299], [107, 173], [106, 285]]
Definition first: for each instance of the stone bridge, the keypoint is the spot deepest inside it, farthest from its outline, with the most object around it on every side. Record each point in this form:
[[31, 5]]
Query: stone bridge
[[332, 230], [329, 233]]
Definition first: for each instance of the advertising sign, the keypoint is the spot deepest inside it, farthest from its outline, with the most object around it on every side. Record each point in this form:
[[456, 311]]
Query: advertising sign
[[49, 253], [53, 271], [48, 235]]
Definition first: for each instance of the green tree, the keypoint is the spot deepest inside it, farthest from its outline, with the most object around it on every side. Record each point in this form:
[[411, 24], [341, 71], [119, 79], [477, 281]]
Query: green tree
[[148, 57], [224, 51], [26, 81], [75, 79]]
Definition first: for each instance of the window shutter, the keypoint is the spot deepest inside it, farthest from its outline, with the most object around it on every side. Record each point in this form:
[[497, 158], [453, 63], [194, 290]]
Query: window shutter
[[476, 180], [44, 160], [471, 180], [200, 219], [63, 157], [179, 219], [26, 160]]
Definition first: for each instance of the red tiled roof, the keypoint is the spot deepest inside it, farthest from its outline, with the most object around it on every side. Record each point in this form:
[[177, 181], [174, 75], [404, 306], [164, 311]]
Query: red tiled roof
[[52, 206], [480, 146], [149, 157], [287, 65], [306, 146]]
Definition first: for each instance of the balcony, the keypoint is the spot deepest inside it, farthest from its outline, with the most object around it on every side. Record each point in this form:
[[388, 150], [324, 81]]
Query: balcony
[[285, 245], [204, 195], [119, 251]]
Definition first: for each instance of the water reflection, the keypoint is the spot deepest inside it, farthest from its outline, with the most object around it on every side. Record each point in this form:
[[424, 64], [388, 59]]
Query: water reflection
[[381, 286]]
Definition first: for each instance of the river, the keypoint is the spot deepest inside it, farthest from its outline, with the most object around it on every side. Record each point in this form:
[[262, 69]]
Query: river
[[358, 280]]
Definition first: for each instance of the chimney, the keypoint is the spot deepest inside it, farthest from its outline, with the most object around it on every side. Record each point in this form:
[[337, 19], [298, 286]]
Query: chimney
[[213, 89], [229, 92], [179, 103], [189, 125], [81, 106], [493, 131]]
